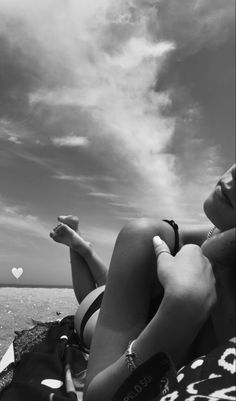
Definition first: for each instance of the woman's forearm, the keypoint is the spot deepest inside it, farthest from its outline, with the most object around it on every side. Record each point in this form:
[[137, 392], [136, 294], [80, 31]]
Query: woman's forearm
[[104, 385], [172, 330]]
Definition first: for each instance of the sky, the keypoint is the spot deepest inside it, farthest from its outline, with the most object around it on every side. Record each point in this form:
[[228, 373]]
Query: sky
[[109, 110]]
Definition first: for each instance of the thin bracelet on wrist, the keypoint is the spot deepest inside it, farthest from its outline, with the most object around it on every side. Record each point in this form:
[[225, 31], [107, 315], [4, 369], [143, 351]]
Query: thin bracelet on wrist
[[131, 357]]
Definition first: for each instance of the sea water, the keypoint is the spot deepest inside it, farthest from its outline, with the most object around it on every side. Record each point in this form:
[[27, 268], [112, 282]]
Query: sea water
[[19, 305]]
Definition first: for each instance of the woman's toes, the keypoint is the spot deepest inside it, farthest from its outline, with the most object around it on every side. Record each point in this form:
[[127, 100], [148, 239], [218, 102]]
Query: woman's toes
[[62, 218], [71, 221]]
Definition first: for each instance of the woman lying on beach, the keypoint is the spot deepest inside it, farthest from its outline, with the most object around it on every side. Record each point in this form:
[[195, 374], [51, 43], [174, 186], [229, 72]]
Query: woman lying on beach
[[184, 322]]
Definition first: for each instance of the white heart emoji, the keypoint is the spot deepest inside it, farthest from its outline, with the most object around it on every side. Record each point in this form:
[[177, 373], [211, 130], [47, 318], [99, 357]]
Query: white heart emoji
[[17, 272]]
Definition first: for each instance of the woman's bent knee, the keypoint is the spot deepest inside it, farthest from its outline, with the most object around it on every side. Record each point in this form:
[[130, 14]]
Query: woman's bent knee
[[140, 232], [146, 228], [140, 227]]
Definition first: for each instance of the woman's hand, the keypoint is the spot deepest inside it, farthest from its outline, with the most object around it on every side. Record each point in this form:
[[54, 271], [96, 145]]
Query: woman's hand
[[188, 275], [189, 295]]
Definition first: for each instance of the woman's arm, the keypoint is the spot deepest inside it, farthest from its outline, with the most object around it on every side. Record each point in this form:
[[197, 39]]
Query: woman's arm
[[196, 235], [184, 307], [172, 330], [172, 317]]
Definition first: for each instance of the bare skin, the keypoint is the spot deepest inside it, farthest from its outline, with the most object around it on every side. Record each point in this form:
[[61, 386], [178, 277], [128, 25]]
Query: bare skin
[[132, 286], [64, 234], [88, 270], [124, 311], [67, 233]]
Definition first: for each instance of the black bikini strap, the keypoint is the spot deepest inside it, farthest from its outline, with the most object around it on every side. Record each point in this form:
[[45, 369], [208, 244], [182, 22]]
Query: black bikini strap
[[176, 230], [91, 310]]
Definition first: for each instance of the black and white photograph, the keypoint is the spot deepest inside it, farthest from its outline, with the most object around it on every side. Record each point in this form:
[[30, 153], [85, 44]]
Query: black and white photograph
[[117, 200]]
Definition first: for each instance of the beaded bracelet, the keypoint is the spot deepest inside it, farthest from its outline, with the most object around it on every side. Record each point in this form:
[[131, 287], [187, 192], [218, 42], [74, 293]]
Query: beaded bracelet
[[130, 357]]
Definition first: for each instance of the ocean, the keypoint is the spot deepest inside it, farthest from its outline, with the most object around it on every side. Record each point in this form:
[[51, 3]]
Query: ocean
[[18, 306]]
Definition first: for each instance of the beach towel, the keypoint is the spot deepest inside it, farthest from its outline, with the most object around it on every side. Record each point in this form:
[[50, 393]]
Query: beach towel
[[49, 364]]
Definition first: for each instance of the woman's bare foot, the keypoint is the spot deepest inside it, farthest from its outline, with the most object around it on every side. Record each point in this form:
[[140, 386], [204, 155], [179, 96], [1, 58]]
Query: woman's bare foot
[[71, 221], [68, 236]]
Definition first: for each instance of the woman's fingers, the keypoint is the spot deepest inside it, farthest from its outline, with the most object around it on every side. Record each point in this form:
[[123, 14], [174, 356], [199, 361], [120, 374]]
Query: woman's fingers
[[161, 248], [188, 273], [164, 258]]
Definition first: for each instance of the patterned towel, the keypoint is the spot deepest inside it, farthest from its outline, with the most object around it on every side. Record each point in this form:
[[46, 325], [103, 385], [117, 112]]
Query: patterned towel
[[210, 377]]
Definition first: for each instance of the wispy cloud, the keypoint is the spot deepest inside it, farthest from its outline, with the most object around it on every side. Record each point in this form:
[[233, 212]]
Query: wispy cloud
[[12, 218], [71, 141], [105, 195], [11, 132], [15, 140], [125, 205], [84, 178]]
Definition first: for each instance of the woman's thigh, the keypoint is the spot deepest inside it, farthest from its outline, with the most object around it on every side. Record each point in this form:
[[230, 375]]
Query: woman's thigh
[[132, 283]]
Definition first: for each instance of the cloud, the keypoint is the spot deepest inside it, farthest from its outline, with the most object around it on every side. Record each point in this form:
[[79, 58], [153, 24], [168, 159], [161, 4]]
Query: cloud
[[11, 132], [71, 141], [12, 218], [84, 178], [15, 140], [105, 195], [104, 60], [115, 85], [125, 205]]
